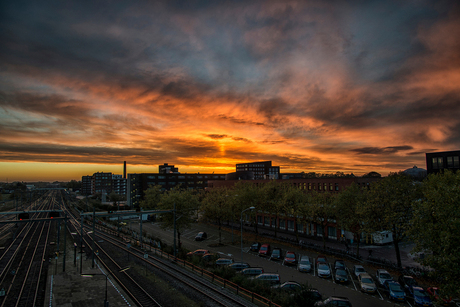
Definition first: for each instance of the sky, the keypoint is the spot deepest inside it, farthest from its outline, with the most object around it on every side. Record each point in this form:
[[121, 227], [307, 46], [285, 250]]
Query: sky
[[313, 86]]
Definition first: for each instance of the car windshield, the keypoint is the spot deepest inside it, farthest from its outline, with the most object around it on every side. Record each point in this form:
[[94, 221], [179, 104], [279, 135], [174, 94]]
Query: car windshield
[[367, 281], [410, 281], [323, 267], [304, 262], [276, 252], [343, 304], [290, 256], [341, 272], [263, 248], [385, 276], [360, 270], [395, 287], [420, 293]]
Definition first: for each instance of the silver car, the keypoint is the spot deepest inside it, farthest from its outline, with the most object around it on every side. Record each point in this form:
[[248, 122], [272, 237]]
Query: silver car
[[304, 264]]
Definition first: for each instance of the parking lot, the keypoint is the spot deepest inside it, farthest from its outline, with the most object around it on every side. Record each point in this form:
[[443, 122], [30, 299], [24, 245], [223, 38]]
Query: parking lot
[[326, 286]]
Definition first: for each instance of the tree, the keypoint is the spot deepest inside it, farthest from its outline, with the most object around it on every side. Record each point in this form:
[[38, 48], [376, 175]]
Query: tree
[[389, 208], [245, 195], [152, 197], [272, 197], [293, 200], [436, 228], [185, 202], [321, 209], [349, 217], [214, 206]]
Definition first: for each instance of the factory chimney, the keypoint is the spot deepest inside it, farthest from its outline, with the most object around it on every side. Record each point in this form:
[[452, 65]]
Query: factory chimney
[[124, 169]]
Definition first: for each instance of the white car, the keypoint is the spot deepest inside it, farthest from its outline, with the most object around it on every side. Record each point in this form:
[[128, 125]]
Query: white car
[[358, 269], [382, 276], [324, 270], [304, 264]]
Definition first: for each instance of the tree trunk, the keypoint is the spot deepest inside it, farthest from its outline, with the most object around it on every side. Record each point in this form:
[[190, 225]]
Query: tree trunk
[[324, 235], [220, 232], [398, 256], [276, 226], [357, 245]]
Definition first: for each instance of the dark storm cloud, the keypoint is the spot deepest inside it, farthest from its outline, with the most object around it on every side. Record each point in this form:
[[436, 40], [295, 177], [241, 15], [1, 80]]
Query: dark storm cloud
[[240, 120], [217, 136], [381, 150]]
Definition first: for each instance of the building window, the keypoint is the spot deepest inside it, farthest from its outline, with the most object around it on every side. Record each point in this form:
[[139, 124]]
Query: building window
[[273, 223], [282, 224], [259, 220], [336, 186], [266, 221], [319, 186], [452, 162], [437, 162], [291, 225], [300, 227], [309, 186], [331, 187], [325, 187], [332, 232]]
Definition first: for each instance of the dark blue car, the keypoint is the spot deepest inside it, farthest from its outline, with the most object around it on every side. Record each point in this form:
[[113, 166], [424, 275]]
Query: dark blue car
[[395, 292], [421, 298]]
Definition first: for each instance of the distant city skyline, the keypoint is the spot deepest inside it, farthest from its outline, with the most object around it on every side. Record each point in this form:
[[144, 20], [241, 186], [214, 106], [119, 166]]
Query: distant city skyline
[[316, 86]]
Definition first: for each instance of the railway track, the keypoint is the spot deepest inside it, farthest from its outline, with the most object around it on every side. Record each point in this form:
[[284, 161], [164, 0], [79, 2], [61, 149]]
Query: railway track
[[112, 254], [22, 262]]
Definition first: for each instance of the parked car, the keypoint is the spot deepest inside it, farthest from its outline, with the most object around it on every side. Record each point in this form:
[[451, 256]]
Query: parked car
[[341, 276], [277, 254], [358, 269], [395, 292], [289, 286], [421, 298], [255, 247], [434, 294], [224, 261], [407, 282], [290, 259], [238, 266], [265, 250], [321, 259], [335, 301], [198, 252], [270, 278], [252, 271], [324, 270], [315, 294], [304, 264], [339, 264], [366, 283], [210, 257], [382, 276], [201, 236]]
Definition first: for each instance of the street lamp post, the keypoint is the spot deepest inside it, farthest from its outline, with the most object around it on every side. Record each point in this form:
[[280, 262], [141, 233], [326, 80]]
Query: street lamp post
[[241, 221]]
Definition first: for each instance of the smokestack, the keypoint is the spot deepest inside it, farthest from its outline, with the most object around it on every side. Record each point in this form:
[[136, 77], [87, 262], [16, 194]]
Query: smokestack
[[124, 169]]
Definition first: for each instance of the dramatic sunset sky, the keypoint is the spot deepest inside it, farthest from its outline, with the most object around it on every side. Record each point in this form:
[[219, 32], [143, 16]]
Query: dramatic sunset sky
[[314, 86]]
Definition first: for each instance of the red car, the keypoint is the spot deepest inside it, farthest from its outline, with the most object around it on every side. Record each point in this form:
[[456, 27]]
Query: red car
[[434, 293], [321, 259], [265, 250], [198, 252], [290, 259]]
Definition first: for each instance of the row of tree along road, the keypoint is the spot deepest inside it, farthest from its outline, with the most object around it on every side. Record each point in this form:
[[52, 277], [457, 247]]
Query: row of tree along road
[[425, 212]]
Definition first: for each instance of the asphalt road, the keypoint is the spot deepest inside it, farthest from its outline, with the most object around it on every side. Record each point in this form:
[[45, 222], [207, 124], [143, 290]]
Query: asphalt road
[[327, 287]]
